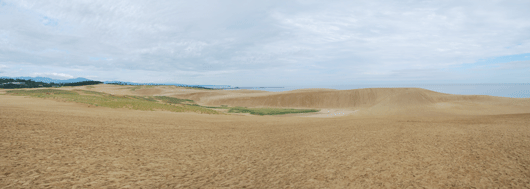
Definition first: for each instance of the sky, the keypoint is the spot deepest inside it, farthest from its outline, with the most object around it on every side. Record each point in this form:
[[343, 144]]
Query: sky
[[267, 43]]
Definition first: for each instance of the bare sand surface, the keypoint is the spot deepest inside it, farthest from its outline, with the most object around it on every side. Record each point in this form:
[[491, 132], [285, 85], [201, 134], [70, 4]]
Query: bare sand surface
[[389, 138], [327, 113]]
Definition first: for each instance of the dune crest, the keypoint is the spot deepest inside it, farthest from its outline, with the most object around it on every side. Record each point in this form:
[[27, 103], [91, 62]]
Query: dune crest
[[376, 100]]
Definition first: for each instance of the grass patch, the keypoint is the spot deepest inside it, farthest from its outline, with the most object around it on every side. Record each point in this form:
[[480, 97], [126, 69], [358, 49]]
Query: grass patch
[[148, 98], [134, 88], [173, 100], [141, 87], [41, 92], [91, 92], [111, 101], [199, 88], [146, 102], [90, 87], [218, 107], [269, 111]]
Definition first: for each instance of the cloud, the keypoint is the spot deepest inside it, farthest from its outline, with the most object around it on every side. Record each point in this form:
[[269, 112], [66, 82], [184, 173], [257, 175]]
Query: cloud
[[2, 68], [275, 40], [519, 65], [53, 75]]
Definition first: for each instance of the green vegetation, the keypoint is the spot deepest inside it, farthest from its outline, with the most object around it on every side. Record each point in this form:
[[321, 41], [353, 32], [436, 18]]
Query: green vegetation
[[91, 92], [218, 107], [148, 98], [269, 111], [42, 92], [141, 86], [8, 83], [134, 88], [81, 83], [198, 87], [111, 101], [145, 102], [172, 100]]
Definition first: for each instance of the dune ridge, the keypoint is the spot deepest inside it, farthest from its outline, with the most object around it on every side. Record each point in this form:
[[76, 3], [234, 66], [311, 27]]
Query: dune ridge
[[50, 144], [374, 100], [371, 101]]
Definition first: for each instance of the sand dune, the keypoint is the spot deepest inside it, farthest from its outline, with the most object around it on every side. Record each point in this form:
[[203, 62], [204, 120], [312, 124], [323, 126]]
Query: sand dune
[[390, 138], [376, 100], [370, 101]]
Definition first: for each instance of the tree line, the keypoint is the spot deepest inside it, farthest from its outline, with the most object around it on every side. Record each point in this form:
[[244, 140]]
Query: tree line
[[9, 83]]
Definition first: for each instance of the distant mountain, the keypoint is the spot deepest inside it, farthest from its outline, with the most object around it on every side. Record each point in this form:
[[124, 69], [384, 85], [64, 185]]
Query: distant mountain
[[49, 80]]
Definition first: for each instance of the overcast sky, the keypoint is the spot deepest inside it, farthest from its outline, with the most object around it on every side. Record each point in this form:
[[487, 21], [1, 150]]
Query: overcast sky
[[268, 43]]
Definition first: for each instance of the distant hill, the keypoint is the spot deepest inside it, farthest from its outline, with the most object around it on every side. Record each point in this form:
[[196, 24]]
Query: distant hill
[[49, 80], [132, 83], [16, 83], [80, 79], [175, 84]]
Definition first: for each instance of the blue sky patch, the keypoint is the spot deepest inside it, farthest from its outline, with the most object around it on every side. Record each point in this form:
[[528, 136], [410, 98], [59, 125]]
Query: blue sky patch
[[495, 61], [49, 21]]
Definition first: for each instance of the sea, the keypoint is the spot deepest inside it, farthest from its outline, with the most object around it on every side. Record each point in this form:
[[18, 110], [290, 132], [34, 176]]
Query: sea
[[511, 90]]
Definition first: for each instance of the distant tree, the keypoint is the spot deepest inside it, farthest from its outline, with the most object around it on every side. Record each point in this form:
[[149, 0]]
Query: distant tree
[[7, 83], [82, 83]]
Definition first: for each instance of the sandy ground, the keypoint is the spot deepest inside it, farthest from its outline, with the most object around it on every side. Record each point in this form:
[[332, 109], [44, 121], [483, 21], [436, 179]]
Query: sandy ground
[[328, 113], [393, 139]]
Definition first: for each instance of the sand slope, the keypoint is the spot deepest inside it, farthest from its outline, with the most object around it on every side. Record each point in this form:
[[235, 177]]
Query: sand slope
[[370, 101], [44, 143], [376, 101]]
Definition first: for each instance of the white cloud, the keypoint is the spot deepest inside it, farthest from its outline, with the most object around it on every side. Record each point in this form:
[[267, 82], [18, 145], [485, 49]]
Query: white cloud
[[519, 65], [277, 39], [53, 75], [2, 68]]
